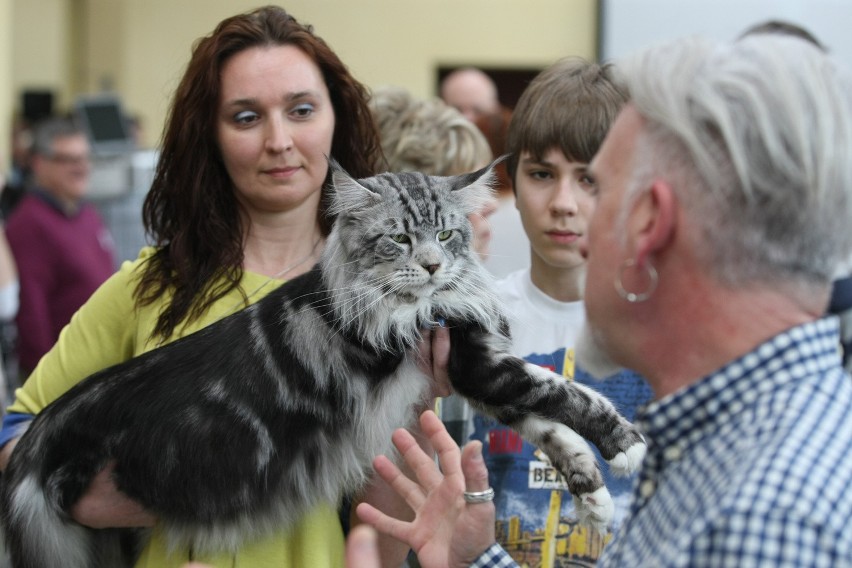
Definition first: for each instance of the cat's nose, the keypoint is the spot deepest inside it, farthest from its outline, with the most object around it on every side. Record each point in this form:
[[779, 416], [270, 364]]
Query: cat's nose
[[432, 268]]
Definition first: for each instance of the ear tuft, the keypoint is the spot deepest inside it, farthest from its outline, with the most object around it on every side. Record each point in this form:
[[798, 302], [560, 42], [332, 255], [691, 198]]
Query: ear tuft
[[476, 188], [348, 194]]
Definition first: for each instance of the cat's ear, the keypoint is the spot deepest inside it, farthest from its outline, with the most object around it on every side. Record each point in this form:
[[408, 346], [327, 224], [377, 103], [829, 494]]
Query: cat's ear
[[348, 195], [476, 189]]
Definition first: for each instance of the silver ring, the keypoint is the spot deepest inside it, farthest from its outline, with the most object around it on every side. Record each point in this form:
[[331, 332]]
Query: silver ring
[[479, 496]]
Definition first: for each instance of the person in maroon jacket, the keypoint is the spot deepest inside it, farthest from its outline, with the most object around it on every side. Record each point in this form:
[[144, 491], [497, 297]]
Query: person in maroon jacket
[[61, 246]]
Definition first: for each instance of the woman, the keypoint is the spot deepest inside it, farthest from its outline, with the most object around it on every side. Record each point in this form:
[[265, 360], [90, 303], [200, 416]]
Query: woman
[[236, 206]]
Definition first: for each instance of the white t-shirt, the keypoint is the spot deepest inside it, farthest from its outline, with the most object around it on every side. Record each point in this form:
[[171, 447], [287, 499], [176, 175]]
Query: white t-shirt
[[539, 324]]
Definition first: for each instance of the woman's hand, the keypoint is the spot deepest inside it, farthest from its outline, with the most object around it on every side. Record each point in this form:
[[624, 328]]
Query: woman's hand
[[434, 354], [446, 531], [104, 506]]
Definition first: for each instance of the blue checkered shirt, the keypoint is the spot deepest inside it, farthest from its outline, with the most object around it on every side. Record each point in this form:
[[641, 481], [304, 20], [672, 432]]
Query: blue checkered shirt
[[494, 557], [750, 466]]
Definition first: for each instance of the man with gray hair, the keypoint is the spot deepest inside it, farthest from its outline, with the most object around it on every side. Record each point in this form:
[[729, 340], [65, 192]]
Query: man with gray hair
[[724, 207], [61, 247], [724, 210]]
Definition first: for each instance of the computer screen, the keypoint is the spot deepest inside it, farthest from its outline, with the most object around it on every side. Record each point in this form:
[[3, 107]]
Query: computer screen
[[105, 123]]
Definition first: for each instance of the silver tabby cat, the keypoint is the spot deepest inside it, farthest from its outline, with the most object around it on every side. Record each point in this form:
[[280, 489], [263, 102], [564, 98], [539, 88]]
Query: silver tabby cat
[[240, 428]]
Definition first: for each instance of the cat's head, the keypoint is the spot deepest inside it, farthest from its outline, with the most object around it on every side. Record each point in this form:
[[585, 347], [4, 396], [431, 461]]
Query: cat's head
[[404, 239]]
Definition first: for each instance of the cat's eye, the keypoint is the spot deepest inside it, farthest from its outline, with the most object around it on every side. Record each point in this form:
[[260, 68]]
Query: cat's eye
[[401, 239], [444, 235]]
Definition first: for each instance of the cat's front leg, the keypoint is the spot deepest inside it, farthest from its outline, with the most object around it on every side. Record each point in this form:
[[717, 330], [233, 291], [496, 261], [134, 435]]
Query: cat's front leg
[[550, 412], [591, 415], [482, 369], [571, 455]]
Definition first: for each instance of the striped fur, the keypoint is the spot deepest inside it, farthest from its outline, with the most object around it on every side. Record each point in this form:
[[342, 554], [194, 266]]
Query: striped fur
[[240, 428]]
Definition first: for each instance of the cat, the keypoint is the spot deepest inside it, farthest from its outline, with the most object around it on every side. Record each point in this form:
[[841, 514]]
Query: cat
[[242, 427]]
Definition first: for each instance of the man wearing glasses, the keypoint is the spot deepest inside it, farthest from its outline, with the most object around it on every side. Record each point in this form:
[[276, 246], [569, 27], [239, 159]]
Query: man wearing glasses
[[61, 246]]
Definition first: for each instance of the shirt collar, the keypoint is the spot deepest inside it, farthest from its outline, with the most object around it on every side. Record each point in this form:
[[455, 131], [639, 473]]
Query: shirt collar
[[800, 351], [51, 200]]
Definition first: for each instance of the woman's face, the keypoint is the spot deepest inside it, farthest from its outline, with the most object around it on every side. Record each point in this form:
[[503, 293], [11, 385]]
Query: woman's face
[[274, 127]]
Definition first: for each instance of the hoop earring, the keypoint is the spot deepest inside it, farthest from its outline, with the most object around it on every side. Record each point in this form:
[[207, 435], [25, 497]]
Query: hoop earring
[[632, 297]]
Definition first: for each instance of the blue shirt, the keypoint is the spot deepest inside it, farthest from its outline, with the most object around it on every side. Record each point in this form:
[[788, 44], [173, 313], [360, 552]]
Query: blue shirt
[[750, 466]]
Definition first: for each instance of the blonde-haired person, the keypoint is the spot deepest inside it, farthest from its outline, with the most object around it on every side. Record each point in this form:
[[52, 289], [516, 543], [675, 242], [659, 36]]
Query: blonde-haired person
[[429, 136]]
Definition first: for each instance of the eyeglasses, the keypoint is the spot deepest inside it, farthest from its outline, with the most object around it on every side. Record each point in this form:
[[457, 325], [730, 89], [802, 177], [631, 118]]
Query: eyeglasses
[[69, 159]]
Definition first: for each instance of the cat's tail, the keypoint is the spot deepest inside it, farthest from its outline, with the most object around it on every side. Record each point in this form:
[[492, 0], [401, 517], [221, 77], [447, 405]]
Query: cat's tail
[[36, 535], [37, 531]]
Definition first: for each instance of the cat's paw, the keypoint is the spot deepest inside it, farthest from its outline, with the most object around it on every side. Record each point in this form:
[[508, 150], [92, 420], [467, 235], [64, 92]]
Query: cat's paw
[[595, 510], [628, 461]]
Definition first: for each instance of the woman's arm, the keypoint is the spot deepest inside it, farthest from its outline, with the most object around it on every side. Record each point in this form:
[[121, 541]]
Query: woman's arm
[[6, 453]]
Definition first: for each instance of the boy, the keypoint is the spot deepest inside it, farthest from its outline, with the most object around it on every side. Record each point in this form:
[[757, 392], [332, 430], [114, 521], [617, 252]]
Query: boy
[[556, 128]]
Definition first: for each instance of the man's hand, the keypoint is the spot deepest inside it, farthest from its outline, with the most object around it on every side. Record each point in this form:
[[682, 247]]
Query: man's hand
[[446, 531]]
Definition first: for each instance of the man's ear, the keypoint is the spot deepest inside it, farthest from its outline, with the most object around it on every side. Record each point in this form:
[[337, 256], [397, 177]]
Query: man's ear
[[654, 220]]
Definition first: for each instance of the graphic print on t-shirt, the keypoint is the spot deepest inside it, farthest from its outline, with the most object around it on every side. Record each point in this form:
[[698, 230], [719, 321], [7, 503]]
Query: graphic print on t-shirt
[[535, 513]]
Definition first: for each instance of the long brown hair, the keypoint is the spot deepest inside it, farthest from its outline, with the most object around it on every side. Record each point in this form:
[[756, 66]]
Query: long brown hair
[[191, 210]]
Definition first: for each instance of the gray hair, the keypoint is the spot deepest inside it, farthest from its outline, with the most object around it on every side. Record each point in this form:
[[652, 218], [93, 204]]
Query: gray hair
[[49, 129], [754, 136]]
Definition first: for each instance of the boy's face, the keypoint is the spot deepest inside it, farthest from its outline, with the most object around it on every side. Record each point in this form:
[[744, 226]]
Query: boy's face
[[555, 199]]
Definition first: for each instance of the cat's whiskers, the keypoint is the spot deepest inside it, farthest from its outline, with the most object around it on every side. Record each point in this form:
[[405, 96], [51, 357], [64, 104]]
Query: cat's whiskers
[[393, 289], [350, 302], [378, 341], [332, 296], [344, 266]]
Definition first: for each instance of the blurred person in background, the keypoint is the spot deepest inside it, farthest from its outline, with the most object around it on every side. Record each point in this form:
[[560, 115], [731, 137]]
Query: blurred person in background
[[8, 309], [472, 92], [61, 246]]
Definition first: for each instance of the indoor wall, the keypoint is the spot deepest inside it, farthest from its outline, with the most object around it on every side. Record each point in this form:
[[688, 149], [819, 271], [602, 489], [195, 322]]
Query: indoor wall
[[138, 48]]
